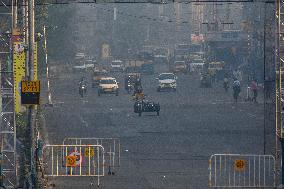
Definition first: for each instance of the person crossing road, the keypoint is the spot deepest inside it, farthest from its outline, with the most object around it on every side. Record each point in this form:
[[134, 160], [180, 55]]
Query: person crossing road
[[236, 89]]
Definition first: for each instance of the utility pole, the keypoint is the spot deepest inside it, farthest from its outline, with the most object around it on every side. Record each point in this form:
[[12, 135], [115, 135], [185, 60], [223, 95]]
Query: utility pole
[[30, 75], [278, 89], [15, 13]]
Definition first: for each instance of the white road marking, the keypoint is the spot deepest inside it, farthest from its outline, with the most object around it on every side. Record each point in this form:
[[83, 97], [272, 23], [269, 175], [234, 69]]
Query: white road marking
[[84, 101], [251, 115]]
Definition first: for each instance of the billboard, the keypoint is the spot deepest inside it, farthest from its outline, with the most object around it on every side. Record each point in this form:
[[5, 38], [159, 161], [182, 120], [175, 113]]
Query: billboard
[[197, 38], [105, 50]]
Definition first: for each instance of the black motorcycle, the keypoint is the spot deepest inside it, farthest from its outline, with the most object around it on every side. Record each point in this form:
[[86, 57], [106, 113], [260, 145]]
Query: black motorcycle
[[82, 90]]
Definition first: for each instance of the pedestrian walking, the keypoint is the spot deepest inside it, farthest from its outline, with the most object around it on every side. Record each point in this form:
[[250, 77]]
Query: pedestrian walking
[[236, 89], [254, 88]]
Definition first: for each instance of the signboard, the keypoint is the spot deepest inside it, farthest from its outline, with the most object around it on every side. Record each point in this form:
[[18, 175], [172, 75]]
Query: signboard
[[30, 92], [240, 165], [71, 161], [78, 158], [105, 50], [197, 38], [89, 152], [30, 86], [16, 35]]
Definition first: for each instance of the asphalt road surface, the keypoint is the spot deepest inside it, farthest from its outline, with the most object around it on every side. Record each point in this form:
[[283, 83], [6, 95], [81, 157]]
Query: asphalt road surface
[[169, 151]]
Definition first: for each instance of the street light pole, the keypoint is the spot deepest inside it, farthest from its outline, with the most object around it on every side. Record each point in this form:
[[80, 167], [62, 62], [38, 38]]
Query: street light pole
[[30, 75], [264, 76]]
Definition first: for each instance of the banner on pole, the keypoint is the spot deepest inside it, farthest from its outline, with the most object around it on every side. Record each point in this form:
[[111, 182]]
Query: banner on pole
[[35, 61], [19, 59]]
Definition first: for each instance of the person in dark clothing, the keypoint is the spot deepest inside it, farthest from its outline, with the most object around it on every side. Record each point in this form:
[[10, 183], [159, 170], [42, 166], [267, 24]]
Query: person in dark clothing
[[236, 89], [254, 88]]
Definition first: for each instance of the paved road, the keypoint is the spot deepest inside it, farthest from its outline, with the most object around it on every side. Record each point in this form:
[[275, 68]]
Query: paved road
[[169, 151]]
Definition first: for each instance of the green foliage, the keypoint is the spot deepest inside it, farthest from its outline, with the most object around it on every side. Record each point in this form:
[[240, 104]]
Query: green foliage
[[21, 120], [59, 30], [21, 124], [57, 20]]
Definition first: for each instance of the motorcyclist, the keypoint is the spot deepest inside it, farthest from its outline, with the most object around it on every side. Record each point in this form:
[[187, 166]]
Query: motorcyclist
[[236, 89], [137, 86], [128, 83], [82, 86]]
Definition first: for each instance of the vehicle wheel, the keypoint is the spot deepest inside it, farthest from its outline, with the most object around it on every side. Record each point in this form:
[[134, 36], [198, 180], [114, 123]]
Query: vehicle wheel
[[99, 93], [158, 113], [116, 93], [140, 113]]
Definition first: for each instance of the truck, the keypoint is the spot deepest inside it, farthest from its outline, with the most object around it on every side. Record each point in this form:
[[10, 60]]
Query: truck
[[139, 66]]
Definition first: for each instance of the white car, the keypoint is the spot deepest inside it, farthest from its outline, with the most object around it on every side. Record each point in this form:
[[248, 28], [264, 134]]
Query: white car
[[167, 81], [108, 85], [197, 65]]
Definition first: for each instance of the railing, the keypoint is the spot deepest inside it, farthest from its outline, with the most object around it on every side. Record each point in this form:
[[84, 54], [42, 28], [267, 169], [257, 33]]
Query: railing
[[242, 171]]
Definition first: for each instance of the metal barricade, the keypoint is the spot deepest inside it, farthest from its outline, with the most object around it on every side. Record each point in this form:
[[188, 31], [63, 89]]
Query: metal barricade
[[74, 160], [242, 171], [111, 146]]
